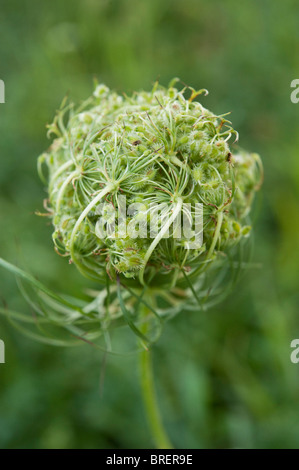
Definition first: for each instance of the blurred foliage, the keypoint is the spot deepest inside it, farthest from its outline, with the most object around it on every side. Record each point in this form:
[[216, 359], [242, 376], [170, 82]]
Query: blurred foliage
[[224, 376]]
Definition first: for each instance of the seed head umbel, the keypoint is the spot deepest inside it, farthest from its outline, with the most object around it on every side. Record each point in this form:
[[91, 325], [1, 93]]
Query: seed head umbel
[[158, 149]]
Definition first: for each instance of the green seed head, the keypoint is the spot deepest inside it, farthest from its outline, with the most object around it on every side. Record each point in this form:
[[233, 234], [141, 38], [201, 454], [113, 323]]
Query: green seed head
[[163, 153]]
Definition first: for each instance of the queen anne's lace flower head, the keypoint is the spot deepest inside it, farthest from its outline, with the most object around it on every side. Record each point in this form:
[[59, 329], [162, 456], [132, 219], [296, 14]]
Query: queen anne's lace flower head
[[152, 149]]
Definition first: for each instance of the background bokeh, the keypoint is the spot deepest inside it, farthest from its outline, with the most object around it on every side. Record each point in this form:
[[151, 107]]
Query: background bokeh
[[224, 377]]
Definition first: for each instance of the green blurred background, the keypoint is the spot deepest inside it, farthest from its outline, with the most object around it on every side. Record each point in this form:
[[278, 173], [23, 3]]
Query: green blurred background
[[224, 377]]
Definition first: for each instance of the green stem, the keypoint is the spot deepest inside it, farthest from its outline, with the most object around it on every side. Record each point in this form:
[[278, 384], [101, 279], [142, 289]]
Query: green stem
[[150, 402]]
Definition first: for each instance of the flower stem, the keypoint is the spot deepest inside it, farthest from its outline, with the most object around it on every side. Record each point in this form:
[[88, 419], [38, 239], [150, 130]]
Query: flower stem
[[150, 401]]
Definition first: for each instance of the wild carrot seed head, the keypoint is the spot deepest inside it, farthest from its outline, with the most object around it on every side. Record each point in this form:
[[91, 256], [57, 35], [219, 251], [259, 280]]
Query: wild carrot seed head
[[157, 149]]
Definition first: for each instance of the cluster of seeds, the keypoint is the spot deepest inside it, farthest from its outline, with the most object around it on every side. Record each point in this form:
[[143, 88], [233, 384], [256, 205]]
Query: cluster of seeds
[[161, 151]]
